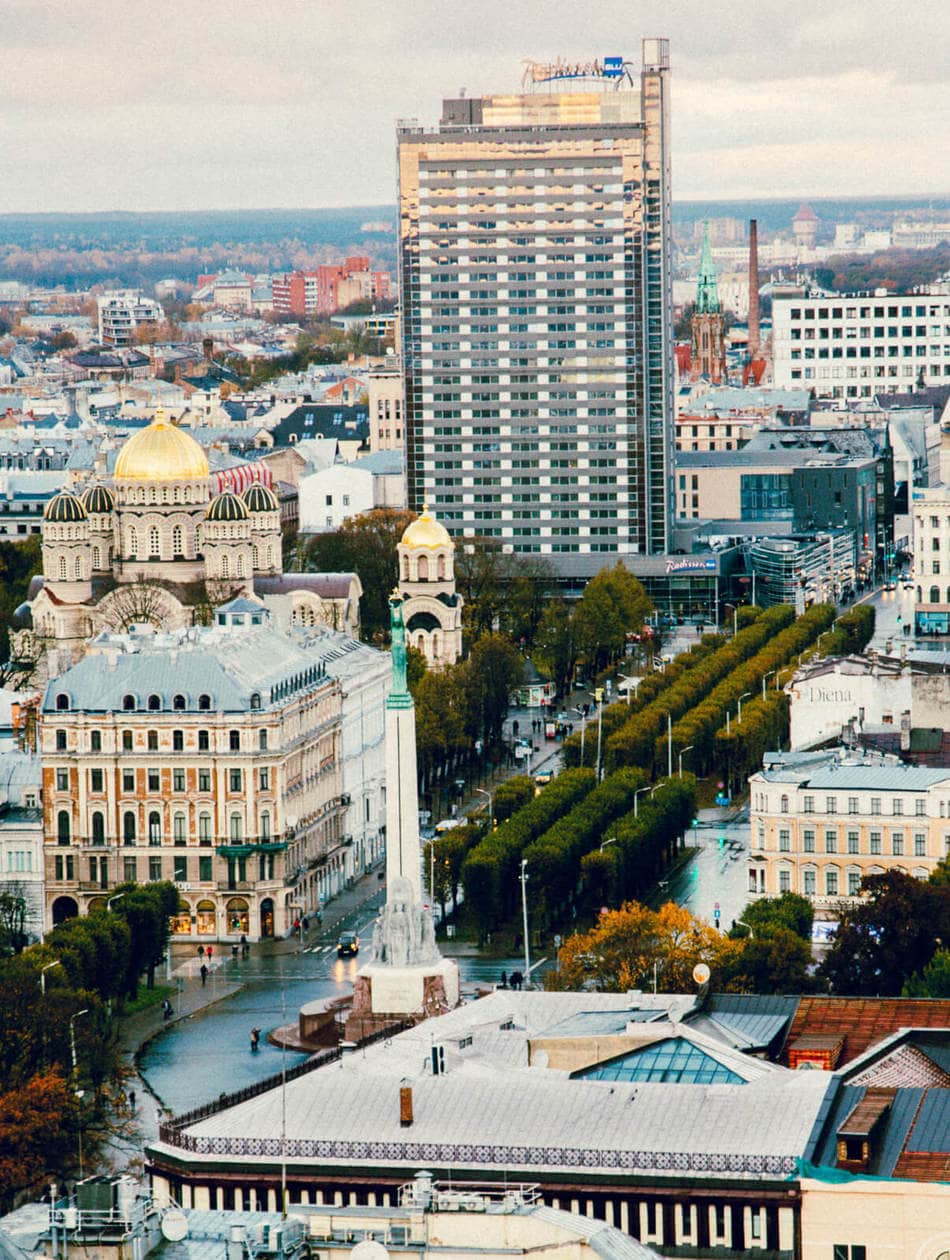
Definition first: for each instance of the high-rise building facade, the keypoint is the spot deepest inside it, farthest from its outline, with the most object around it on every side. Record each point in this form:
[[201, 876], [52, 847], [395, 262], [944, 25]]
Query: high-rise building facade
[[535, 280]]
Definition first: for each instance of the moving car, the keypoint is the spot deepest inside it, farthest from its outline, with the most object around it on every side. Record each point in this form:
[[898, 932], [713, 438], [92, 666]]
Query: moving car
[[348, 945]]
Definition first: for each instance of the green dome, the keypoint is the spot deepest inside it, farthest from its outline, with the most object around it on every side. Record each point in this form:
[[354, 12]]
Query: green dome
[[98, 499], [261, 499], [64, 508], [227, 507]]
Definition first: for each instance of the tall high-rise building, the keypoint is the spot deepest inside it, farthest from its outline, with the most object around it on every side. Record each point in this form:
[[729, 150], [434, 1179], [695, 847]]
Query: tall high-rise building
[[535, 282]]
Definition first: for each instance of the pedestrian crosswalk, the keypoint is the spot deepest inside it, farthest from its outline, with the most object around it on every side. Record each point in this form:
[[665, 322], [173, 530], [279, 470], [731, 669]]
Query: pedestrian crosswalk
[[320, 949]]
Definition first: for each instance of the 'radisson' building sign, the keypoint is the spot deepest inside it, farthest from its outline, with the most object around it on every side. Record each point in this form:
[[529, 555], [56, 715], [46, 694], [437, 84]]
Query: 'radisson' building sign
[[611, 68]]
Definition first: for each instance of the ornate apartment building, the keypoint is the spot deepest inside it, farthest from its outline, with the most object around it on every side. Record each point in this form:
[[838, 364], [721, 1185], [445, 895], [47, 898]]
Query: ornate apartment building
[[211, 756], [821, 821]]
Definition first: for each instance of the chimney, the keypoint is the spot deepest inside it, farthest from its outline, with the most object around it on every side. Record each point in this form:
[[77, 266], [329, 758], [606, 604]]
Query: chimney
[[405, 1106], [753, 288]]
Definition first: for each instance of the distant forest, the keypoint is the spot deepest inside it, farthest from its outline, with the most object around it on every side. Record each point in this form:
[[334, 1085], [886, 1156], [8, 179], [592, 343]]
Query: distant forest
[[79, 250], [136, 250]]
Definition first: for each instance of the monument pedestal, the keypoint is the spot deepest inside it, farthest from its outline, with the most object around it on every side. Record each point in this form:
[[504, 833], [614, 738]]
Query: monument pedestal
[[385, 995]]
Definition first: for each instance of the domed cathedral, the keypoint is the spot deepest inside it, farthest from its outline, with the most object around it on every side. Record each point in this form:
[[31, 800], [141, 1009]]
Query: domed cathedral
[[432, 609], [162, 492], [156, 546]]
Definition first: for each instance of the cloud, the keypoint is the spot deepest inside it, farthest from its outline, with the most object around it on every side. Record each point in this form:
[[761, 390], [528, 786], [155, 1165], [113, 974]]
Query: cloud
[[200, 103]]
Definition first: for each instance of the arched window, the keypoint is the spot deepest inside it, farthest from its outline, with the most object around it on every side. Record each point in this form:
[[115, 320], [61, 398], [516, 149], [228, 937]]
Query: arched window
[[178, 539], [831, 881], [240, 566], [151, 740], [255, 558], [441, 568], [423, 569], [204, 828], [96, 558], [176, 494], [98, 828], [154, 703], [405, 568], [265, 826], [62, 568], [154, 827], [62, 827], [178, 741], [783, 808], [225, 566], [178, 829], [204, 703], [178, 702], [935, 594], [270, 557], [237, 829], [133, 543], [262, 740], [255, 699], [435, 646], [128, 703], [77, 568], [154, 545], [920, 595], [62, 701]]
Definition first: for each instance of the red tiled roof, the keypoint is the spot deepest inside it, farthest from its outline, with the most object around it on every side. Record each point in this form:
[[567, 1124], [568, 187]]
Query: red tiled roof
[[863, 1022], [923, 1166]]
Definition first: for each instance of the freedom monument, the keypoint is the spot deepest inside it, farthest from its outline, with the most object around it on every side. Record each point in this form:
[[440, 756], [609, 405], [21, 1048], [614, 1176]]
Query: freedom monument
[[406, 977]]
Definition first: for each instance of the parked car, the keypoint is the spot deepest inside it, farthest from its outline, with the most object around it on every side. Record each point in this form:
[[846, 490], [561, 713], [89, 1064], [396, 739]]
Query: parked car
[[348, 945]]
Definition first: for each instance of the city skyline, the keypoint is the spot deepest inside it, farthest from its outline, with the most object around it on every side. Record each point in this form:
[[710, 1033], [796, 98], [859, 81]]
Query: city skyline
[[107, 109]]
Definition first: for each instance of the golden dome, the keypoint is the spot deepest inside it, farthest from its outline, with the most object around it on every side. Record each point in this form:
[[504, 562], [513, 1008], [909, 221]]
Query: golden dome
[[161, 452], [426, 532]]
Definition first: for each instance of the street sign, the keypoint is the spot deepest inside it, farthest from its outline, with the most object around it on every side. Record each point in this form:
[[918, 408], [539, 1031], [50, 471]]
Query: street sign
[[557, 940]]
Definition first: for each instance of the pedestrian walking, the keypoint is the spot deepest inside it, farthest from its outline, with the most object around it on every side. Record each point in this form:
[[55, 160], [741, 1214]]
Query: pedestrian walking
[[131, 1099], [504, 980], [245, 948], [167, 1011], [255, 1039], [204, 975], [201, 951]]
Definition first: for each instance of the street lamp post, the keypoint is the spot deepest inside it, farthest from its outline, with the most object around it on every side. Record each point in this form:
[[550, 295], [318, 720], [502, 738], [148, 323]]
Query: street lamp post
[[524, 915], [636, 800], [43, 971], [687, 749], [745, 695], [114, 898], [72, 1037], [769, 675], [612, 840], [583, 717], [669, 745]]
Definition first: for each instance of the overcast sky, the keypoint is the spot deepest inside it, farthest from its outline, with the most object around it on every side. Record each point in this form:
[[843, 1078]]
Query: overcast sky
[[181, 104]]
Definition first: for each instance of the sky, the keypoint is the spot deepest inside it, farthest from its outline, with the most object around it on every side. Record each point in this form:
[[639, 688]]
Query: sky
[[219, 104]]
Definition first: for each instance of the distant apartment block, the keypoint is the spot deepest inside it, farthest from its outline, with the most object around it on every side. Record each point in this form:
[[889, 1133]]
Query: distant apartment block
[[860, 345], [121, 312], [329, 289], [821, 824], [534, 259], [387, 408]]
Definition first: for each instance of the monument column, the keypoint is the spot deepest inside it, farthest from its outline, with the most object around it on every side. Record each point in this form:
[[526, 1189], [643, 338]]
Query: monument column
[[403, 851]]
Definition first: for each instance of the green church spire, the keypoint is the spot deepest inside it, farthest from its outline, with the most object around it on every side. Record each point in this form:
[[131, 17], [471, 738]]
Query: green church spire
[[707, 295]]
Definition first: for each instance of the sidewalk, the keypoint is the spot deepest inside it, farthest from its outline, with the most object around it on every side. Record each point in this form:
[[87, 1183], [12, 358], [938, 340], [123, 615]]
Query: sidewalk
[[138, 1125]]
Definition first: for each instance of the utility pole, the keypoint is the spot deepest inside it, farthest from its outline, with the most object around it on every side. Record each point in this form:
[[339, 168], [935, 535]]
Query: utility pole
[[524, 915]]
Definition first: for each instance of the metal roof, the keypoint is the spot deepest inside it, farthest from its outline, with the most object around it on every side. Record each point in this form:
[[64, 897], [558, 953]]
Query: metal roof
[[932, 1129]]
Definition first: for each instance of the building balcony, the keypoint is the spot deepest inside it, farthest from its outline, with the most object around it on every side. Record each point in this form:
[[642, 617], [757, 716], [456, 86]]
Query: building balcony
[[231, 851]]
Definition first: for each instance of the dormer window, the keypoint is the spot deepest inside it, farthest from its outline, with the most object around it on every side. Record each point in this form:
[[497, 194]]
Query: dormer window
[[128, 703]]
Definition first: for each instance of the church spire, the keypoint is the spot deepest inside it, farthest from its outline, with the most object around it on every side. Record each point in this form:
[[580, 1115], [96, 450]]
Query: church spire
[[707, 295]]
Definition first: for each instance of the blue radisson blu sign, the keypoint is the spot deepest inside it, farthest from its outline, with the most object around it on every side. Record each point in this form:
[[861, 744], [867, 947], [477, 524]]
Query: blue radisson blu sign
[[614, 68]]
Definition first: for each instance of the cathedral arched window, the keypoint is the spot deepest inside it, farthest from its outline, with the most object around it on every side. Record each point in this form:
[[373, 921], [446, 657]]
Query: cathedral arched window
[[255, 558], [62, 568], [178, 541], [240, 566], [441, 568], [96, 558], [423, 569], [405, 568], [270, 557], [176, 494], [77, 568], [133, 543], [154, 544], [225, 567]]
